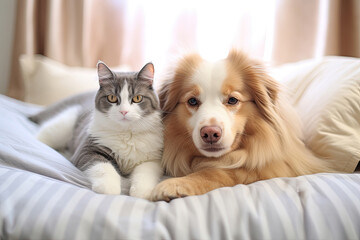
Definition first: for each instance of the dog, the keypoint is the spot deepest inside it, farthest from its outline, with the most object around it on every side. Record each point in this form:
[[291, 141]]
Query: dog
[[226, 123]]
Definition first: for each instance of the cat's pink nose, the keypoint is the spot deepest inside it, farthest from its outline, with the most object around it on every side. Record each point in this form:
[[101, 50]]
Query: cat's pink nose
[[124, 112]]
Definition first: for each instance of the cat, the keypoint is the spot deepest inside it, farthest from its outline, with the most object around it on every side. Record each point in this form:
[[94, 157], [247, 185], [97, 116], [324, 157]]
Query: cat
[[116, 129]]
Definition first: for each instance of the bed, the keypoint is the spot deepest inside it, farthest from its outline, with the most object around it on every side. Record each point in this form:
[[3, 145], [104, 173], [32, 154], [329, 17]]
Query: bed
[[43, 196]]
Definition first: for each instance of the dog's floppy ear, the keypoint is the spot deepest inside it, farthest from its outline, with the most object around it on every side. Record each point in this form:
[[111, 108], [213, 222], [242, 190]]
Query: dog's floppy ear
[[168, 96], [261, 85], [176, 81]]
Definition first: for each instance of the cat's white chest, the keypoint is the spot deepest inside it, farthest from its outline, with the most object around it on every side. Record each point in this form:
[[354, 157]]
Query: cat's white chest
[[130, 148]]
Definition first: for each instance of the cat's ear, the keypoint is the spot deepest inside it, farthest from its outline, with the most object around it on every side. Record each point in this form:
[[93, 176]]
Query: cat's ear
[[147, 73], [104, 72]]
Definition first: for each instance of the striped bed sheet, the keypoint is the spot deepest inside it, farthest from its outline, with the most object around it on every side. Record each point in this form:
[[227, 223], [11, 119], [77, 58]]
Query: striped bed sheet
[[43, 196], [322, 206]]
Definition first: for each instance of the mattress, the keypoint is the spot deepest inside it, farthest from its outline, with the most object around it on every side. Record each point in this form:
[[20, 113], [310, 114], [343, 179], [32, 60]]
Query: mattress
[[43, 196]]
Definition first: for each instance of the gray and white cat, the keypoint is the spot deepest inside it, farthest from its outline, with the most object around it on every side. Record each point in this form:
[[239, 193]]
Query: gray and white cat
[[119, 126]]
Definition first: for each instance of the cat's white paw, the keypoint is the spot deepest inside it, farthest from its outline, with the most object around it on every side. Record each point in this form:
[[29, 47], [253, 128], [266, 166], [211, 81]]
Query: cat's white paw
[[144, 179], [141, 191], [104, 178], [106, 185]]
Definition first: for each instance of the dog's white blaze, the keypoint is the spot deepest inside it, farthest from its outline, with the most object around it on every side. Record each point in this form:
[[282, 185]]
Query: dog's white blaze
[[210, 78]]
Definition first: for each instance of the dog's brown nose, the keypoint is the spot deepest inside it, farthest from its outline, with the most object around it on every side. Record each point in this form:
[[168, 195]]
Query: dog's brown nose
[[210, 134]]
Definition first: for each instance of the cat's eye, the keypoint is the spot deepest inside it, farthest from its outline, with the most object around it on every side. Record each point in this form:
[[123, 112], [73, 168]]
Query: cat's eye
[[112, 98], [137, 99], [232, 101]]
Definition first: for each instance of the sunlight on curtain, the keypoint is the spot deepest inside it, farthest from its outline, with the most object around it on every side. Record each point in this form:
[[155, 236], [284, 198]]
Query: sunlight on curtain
[[132, 32], [241, 24], [323, 18], [208, 27]]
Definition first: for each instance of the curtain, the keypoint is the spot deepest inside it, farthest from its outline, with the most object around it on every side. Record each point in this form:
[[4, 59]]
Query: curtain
[[131, 33]]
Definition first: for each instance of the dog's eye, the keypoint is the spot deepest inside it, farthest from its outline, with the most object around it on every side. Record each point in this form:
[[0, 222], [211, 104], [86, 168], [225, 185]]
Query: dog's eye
[[232, 101], [193, 102]]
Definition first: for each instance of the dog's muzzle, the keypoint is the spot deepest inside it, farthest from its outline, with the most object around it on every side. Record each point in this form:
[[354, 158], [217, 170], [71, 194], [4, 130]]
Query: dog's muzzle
[[210, 134]]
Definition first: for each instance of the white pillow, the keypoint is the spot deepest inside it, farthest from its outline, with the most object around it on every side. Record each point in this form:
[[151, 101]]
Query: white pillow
[[326, 94], [47, 81]]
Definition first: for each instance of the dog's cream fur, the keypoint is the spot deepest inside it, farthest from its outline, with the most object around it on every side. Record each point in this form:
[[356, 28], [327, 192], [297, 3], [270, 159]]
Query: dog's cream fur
[[260, 134]]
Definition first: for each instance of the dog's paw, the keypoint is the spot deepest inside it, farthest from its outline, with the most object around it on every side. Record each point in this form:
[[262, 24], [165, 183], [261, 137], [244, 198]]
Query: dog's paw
[[173, 188]]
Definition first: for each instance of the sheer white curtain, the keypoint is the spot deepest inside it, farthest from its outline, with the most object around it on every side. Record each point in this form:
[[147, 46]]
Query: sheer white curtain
[[132, 32], [276, 31], [208, 27]]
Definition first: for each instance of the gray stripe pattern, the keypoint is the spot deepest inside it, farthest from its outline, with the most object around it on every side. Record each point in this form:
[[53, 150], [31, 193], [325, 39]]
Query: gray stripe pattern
[[321, 206]]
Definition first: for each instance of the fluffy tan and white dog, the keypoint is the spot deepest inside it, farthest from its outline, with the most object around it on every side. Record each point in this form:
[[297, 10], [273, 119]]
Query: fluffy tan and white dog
[[227, 123]]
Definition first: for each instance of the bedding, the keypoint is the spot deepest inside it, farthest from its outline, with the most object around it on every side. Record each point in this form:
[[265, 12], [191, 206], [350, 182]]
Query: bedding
[[326, 94], [43, 196], [60, 81]]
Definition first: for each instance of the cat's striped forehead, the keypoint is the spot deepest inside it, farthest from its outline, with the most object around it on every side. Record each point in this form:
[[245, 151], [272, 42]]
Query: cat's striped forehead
[[125, 86], [118, 82]]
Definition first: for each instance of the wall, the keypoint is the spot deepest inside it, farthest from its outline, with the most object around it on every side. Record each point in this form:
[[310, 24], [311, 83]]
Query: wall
[[7, 25]]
